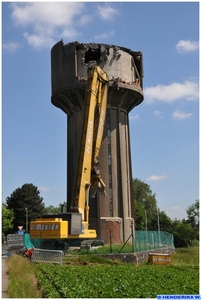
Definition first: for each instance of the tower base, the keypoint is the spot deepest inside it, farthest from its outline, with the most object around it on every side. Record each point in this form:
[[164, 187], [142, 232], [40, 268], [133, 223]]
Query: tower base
[[111, 230]]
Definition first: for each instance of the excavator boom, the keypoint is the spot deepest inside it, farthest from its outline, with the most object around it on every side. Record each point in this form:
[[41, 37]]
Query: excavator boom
[[93, 126], [74, 224]]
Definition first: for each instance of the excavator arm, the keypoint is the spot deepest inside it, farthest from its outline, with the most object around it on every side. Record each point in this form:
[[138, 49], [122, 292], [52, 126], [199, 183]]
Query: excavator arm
[[92, 132], [74, 224]]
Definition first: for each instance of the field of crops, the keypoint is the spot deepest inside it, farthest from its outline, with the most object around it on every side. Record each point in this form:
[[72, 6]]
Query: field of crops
[[116, 281]]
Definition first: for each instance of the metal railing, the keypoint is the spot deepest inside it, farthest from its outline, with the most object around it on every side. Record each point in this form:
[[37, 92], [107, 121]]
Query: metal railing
[[15, 240], [47, 256]]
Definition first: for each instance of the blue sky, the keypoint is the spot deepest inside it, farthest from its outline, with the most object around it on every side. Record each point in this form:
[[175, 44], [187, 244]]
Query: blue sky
[[163, 129]]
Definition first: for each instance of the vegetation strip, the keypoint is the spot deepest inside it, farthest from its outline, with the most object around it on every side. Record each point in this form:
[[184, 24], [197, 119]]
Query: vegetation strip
[[22, 278], [117, 281], [91, 276]]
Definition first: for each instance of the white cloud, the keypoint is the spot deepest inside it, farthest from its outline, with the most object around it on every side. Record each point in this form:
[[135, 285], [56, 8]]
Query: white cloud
[[187, 46], [11, 47], [181, 115], [85, 20], [69, 33], [170, 93], [46, 22], [107, 12], [135, 118], [176, 212], [103, 36], [44, 189], [46, 14], [38, 41], [157, 177], [175, 207], [158, 113]]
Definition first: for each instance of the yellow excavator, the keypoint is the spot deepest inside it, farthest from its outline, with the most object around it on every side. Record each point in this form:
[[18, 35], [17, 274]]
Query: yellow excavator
[[74, 225]]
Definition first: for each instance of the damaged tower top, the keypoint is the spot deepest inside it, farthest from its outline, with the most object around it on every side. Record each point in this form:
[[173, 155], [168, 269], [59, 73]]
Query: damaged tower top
[[123, 66]]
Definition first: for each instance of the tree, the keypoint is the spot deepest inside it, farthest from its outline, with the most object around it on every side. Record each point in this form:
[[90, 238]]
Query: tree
[[51, 210], [147, 215], [165, 222], [193, 214], [193, 217], [183, 233], [7, 219], [25, 202], [55, 210], [146, 210], [145, 206]]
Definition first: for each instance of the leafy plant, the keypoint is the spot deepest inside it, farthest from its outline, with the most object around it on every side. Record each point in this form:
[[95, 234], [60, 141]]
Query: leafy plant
[[116, 281]]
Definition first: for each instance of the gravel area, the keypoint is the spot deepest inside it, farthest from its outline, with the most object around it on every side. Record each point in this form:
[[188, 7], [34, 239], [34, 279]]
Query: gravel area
[[4, 278]]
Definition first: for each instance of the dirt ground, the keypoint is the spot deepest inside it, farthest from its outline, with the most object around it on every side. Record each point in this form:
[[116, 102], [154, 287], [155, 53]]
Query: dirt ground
[[4, 278]]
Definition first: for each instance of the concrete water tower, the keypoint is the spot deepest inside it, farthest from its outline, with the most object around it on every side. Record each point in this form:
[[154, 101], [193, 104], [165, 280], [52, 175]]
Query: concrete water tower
[[112, 216]]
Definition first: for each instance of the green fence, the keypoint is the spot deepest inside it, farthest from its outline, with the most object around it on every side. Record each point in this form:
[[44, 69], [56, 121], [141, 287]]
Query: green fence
[[141, 241], [148, 240]]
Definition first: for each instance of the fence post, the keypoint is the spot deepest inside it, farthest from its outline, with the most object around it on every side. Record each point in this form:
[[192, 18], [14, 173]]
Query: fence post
[[133, 238], [110, 241], [144, 240]]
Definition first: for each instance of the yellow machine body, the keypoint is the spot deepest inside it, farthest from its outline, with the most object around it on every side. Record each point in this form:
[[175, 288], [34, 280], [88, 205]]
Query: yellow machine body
[[49, 228], [56, 228]]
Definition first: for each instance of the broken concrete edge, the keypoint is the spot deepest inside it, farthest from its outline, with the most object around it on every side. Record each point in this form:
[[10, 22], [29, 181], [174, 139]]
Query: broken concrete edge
[[111, 219], [103, 48], [115, 82], [137, 257], [99, 52]]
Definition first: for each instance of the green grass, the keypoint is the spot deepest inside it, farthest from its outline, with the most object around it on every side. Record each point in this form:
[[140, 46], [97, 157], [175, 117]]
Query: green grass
[[186, 256], [22, 279], [120, 248], [84, 259], [109, 249]]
